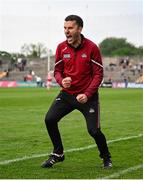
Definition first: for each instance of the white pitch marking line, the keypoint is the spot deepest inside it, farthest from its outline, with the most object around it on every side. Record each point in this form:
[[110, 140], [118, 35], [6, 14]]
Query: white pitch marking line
[[116, 175], [69, 150]]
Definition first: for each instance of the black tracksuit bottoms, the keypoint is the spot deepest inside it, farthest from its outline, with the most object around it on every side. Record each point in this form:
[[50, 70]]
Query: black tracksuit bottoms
[[65, 103]]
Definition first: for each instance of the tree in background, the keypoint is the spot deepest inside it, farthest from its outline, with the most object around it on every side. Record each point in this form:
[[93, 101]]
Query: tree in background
[[34, 50], [109, 47], [5, 55], [119, 47]]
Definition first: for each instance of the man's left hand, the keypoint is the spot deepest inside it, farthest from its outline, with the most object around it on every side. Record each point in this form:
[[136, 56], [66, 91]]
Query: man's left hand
[[82, 98]]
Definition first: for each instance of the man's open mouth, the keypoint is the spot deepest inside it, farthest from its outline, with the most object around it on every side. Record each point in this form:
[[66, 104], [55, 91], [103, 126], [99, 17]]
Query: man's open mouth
[[69, 38]]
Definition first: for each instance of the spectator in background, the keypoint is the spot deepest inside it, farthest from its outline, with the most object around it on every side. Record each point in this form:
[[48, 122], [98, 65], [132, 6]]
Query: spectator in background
[[7, 73], [31, 72], [19, 63], [23, 62], [39, 81], [29, 77], [126, 82]]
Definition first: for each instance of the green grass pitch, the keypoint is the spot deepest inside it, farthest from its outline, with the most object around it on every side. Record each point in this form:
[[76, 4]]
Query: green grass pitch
[[23, 133]]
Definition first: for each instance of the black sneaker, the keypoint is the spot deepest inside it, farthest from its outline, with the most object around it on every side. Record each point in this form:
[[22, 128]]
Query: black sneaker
[[53, 158], [107, 163]]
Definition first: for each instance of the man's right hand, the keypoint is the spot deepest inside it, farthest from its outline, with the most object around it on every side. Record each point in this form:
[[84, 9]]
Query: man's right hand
[[66, 82]]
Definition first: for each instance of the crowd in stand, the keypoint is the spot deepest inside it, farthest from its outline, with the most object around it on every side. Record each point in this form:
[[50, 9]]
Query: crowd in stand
[[133, 67], [11, 65], [21, 64], [31, 76], [127, 68]]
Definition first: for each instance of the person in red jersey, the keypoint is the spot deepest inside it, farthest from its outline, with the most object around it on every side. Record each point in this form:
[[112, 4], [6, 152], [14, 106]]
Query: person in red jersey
[[79, 71]]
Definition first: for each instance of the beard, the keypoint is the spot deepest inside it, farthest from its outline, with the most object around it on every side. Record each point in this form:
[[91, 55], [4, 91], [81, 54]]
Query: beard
[[74, 39]]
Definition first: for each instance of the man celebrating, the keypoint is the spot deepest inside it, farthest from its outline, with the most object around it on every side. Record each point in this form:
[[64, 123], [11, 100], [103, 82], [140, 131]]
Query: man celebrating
[[79, 71]]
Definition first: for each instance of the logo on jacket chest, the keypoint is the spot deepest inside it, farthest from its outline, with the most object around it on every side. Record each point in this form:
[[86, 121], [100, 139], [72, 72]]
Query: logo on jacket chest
[[84, 55], [67, 56]]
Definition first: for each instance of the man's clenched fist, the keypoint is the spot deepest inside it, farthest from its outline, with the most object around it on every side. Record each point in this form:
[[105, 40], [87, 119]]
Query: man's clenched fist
[[66, 82], [81, 98]]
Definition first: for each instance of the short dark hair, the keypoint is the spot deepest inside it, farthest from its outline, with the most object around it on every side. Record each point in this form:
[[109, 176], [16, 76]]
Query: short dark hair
[[76, 18]]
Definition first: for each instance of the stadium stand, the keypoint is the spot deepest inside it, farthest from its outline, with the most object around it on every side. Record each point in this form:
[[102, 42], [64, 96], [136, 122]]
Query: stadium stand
[[118, 69], [115, 69]]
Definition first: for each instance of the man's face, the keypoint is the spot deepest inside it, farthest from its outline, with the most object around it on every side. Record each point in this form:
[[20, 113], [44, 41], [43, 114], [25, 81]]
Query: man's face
[[72, 32]]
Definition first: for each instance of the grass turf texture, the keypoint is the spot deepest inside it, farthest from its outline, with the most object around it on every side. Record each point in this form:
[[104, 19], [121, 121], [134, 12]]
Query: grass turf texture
[[23, 132]]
